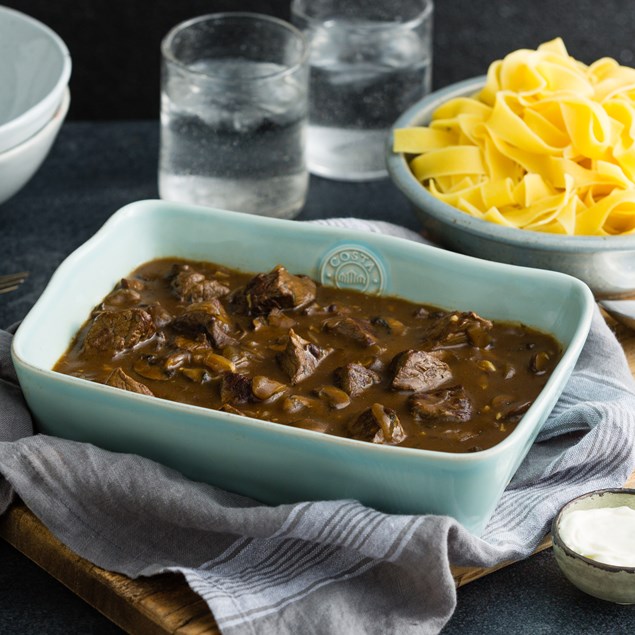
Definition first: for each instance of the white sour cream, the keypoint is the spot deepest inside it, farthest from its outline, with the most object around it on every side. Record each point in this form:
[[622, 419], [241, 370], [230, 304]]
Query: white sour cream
[[606, 534]]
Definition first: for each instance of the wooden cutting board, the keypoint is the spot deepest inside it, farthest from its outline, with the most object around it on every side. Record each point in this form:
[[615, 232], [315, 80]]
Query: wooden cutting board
[[161, 604]]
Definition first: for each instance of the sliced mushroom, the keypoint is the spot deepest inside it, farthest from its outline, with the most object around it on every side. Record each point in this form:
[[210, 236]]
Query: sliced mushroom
[[197, 375], [334, 397], [216, 363], [298, 403], [266, 388], [150, 367]]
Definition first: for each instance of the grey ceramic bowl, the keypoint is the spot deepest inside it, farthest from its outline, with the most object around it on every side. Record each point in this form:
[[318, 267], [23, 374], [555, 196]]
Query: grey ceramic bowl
[[605, 263], [604, 581]]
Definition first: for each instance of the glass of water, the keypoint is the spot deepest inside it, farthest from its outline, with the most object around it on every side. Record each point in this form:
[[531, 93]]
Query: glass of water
[[369, 61], [233, 114]]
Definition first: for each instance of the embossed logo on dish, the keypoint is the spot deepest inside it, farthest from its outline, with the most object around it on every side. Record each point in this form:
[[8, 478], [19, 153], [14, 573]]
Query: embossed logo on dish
[[352, 267]]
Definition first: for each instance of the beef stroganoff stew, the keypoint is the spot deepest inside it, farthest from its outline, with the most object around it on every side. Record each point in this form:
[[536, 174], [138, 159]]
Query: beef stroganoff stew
[[282, 348]]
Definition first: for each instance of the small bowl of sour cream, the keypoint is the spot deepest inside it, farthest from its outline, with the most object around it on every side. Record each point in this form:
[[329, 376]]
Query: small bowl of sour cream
[[594, 544]]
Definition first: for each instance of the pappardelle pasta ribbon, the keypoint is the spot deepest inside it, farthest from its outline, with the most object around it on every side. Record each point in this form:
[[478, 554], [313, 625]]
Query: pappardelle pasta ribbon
[[548, 145]]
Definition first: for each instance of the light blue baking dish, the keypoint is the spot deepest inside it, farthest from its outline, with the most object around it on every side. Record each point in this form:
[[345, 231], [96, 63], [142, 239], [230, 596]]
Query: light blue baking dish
[[267, 461]]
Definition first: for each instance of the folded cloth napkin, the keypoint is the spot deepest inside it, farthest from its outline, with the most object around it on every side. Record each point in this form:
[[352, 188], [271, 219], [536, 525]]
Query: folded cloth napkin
[[318, 567]]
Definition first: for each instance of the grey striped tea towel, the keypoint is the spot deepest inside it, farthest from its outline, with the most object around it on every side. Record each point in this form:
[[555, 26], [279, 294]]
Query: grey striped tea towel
[[319, 567]]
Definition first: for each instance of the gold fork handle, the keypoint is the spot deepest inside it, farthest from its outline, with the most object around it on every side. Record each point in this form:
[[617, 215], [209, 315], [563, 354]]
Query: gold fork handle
[[12, 281]]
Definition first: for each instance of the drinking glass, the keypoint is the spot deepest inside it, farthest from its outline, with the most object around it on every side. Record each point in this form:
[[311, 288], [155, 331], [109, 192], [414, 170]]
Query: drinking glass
[[369, 61], [233, 114]]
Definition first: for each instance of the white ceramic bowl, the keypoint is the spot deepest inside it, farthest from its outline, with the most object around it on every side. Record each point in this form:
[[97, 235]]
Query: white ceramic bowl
[[605, 263], [21, 162], [268, 461], [35, 67]]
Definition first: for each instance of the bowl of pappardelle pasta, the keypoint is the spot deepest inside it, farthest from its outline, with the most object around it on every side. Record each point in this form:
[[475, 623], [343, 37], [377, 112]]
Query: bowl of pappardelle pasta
[[532, 164]]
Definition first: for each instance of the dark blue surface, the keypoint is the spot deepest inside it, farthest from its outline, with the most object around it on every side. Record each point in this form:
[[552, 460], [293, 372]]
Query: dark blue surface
[[93, 170]]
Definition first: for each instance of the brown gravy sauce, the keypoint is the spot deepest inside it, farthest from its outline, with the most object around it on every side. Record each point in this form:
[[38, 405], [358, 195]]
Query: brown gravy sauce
[[282, 348]]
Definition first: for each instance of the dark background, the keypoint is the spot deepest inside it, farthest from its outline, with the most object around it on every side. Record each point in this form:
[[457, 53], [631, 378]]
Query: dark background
[[115, 44]]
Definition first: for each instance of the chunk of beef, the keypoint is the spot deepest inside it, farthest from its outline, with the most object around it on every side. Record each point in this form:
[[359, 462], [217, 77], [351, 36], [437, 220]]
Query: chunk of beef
[[354, 379], [192, 286], [300, 358], [419, 371], [459, 329], [119, 379], [122, 297], [235, 388], [221, 334], [132, 283], [160, 315], [377, 424], [278, 289], [207, 317], [116, 331], [278, 319], [445, 405], [356, 330]]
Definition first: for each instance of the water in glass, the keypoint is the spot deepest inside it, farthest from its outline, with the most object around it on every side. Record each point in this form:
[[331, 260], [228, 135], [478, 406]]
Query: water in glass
[[361, 80], [240, 147]]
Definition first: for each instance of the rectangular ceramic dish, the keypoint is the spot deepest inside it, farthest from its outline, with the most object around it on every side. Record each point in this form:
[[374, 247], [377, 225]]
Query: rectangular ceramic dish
[[268, 461]]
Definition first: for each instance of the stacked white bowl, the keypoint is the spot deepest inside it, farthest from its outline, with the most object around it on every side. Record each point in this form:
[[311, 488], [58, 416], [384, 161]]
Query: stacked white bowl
[[35, 67]]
